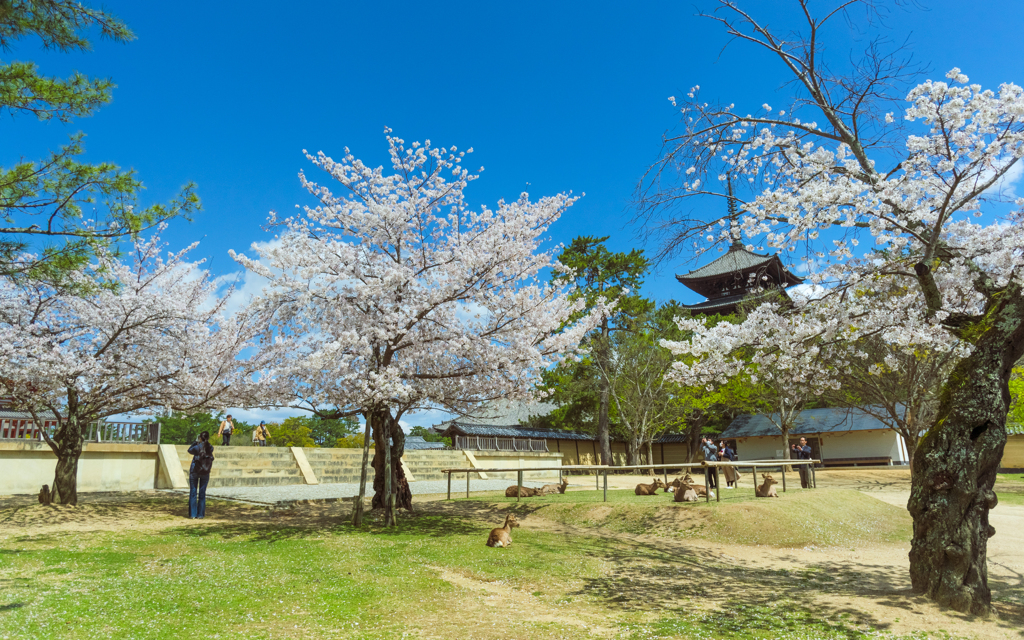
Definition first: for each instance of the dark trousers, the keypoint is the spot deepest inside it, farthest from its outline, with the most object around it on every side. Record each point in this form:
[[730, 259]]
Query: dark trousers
[[804, 475], [197, 495], [226, 439], [709, 473]]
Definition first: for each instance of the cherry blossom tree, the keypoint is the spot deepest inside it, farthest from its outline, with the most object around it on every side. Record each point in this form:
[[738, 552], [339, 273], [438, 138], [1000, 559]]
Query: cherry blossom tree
[[918, 184], [129, 337], [394, 294]]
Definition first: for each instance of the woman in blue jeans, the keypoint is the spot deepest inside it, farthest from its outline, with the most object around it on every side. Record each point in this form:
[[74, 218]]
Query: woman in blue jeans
[[199, 475]]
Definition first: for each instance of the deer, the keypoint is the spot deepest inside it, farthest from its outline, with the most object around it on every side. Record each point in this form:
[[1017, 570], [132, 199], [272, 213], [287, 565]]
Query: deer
[[685, 495], [766, 490], [554, 488], [503, 537], [649, 489], [700, 490], [524, 492]]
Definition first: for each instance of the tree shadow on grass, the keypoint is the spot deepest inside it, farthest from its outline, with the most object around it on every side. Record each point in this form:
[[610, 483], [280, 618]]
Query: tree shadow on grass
[[678, 577], [4, 608]]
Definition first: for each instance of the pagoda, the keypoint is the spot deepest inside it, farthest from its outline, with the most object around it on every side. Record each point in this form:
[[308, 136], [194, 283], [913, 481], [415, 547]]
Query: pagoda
[[738, 276]]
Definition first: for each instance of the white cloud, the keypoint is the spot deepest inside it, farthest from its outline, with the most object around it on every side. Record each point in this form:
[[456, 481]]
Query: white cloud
[[1006, 186]]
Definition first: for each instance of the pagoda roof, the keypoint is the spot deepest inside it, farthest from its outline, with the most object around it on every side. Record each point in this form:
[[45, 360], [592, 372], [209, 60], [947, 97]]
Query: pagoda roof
[[736, 259], [728, 304]]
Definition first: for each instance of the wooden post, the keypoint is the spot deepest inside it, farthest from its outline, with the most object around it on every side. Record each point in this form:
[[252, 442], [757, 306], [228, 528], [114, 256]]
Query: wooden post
[[753, 474], [606, 485], [718, 486], [357, 508], [597, 479], [663, 462], [814, 479], [449, 474], [519, 480], [783, 478], [707, 488]]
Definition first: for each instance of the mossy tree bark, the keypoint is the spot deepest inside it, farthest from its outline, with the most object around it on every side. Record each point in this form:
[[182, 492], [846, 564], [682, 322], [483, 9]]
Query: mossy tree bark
[[956, 462], [386, 427], [67, 445]]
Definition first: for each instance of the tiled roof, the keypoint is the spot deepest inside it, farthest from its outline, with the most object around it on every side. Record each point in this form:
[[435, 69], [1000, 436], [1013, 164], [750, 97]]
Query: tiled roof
[[735, 259], [511, 431], [807, 422], [503, 413], [729, 302], [417, 442], [1013, 429], [8, 414], [672, 437]]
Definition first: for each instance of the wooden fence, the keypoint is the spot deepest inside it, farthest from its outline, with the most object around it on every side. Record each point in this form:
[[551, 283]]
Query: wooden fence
[[101, 431], [482, 443], [602, 470]]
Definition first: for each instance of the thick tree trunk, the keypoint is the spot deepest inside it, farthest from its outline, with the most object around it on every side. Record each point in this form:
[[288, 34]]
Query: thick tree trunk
[[67, 445], [650, 457], [632, 453], [955, 466], [385, 426]]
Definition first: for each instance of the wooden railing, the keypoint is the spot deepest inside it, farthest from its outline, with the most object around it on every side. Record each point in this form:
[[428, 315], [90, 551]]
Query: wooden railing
[[101, 431], [483, 443]]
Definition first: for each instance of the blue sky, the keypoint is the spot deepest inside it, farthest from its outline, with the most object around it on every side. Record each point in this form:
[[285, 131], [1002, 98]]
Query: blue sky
[[552, 96]]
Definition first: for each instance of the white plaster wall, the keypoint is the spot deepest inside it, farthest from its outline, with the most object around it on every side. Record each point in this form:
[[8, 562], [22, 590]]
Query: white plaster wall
[[26, 467], [847, 444], [519, 460]]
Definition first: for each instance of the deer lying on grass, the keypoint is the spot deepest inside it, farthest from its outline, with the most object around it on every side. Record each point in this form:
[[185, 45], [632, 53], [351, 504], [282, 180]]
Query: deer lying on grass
[[525, 492], [554, 488], [766, 490], [650, 489], [503, 537], [700, 490], [685, 494]]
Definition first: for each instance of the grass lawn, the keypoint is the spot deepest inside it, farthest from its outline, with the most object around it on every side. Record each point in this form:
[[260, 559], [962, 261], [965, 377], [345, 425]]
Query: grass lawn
[[141, 571]]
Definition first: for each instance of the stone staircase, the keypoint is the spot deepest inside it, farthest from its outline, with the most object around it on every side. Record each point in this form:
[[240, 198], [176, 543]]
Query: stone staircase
[[426, 464], [265, 466], [248, 466]]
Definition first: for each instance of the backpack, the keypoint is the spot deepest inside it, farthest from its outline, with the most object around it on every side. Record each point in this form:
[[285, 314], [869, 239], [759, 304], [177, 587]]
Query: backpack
[[227, 428], [204, 462]]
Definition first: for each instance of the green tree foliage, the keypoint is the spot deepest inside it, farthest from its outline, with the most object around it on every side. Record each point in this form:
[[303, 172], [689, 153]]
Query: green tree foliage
[[184, 428], [1016, 414], [427, 434], [599, 275], [292, 432], [326, 432], [58, 209]]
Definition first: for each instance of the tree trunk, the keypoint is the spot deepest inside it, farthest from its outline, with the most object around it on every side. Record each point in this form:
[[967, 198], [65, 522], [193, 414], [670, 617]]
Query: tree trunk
[[632, 453], [357, 509], [603, 436], [385, 427], [67, 445], [650, 457], [786, 454], [956, 462]]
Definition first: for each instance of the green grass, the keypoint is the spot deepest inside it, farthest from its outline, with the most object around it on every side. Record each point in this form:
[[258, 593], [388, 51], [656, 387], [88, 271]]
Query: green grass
[[823, 517], [262, 574]]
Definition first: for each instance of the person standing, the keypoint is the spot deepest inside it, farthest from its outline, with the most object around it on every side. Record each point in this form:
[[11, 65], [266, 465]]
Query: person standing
[[726, 453], [226, 428], [199, 475], [707, 447], [803, 452], [260, 435]]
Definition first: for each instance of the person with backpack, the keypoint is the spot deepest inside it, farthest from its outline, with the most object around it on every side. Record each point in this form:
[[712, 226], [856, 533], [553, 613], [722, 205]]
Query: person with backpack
[[226, 427], [710, 451], [199, 475], [260, 435]]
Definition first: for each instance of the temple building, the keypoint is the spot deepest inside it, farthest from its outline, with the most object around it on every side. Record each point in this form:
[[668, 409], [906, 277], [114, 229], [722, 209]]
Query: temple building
[[739, 275]]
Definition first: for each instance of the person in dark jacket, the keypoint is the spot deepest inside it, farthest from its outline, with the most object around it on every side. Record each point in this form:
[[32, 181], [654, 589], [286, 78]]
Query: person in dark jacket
[[710, 451], [199, 475], [802, 451]]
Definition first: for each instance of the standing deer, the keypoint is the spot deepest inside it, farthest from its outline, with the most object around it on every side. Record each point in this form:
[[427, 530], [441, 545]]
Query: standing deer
[[503, 537], [649, 489], [766, 490]]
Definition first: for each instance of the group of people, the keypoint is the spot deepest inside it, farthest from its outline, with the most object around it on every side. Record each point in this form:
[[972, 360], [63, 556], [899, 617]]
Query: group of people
[[723, 452], [714, 453], [260, 435]]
